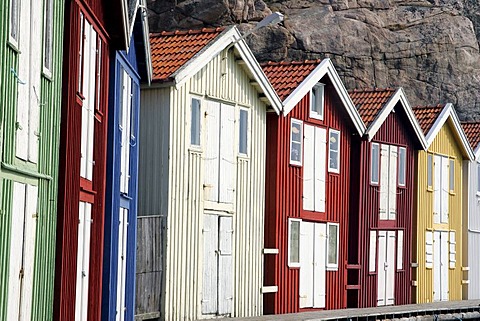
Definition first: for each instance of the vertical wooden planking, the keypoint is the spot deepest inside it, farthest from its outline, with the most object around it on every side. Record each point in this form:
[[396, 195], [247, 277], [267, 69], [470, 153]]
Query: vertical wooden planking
[[212, 150], [319, 260], [307, 258], [382, 268], [390, 269], [225, 266], [210, 264]]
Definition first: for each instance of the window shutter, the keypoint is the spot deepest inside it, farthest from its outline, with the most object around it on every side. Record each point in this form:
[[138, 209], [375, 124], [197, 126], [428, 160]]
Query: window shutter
[[445, 190], [319, 259], [210, 264], [225, 266], [212, 151], [122, 262], [372, 262], [453, 251], [306, 265], [83, 261], [384, 153], [227, 154], [392, 185], [437, 187], [400, 251], [429, 250], [320, 168], [308, 168]]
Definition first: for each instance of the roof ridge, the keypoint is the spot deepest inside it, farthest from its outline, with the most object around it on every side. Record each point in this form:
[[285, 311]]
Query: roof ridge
[[429, 106], [292, 62], [373, 89], [186, 32]]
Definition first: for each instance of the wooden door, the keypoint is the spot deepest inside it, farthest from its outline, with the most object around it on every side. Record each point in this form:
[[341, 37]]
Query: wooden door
[[121, 263], [319, 265], [386, 268], [440, 266], [314, 168], [227, 159]]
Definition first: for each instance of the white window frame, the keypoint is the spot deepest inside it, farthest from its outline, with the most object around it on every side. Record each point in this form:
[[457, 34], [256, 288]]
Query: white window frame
[[451, 175], [247, 136], [47, 60], [401, 180], [15, 6], [337, 132], [478, 179], [400, 248], [430, 172], [199, 134], [377, 182], [298, 122], [290, 263], [319, 90], [331, 266]]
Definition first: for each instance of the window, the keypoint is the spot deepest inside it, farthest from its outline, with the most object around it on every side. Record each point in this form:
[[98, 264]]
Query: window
[[451, 178], [478, 178], [14, 21], [332, 246], [195, 123], [334, 151], [294, 242], [48, 37], [402, 154], [316, 101], [243, 135], [430, 171], [374, 170], [296, 135]]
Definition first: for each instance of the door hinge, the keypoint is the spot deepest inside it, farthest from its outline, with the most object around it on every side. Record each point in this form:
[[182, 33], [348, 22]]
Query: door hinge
[[21, 274]]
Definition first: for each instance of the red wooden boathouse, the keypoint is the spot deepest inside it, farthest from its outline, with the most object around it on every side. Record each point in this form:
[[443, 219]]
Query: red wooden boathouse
[[93, 29], [307, 184], [381, 208]]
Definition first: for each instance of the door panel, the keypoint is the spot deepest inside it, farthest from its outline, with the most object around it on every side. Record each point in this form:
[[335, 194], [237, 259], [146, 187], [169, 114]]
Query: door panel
[[382, 260], [225, 267], [436, 266], [121, 263], [437, 187], [210, 267], [320, 168], [227, 154], [392, 183], [444, 265], [445, 190], [306, 264], [390, 269], [308, 168], [319, 267], [212, 150], [384, 164]]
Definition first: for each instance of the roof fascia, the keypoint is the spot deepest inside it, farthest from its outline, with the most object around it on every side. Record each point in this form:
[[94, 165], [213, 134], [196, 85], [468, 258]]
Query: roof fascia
[[146, 40], [449, 112], [325, 67]]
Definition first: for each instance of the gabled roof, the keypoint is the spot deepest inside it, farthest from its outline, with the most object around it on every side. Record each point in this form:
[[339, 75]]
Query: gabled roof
[[374, 105], [472, 131], [178, 55], [294, 80], [433, 118]]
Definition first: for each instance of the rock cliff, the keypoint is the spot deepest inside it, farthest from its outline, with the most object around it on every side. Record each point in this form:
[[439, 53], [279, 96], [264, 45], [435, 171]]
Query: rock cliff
[[429, 47]]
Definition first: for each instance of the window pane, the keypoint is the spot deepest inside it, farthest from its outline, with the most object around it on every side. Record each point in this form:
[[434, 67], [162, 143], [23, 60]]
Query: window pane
[[374, 162], [294, 242], [452, 174], [430, 170], [332, 244], [401, 165], [296, 152], [14, 17], [243, 131], [333, 159], [48, 33], [195, 126], [334, 154], [296, 132], [313, 105], [296, 142]]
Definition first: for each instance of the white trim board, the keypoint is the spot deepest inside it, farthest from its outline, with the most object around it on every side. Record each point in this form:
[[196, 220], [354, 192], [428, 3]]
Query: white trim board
[[325, 67]]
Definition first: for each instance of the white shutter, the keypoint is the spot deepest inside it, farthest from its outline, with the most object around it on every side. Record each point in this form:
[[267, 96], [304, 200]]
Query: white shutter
[[212, 150], [400, 251], [320, 168], [372, 258], [382, 269], [36, 18], [126, 132], [210, 261], [390, 269], [445, 189], [453, 252], [384, 153], [437, 187], [444, 265], [225, 266], [16, 252], [436, 267], [392, 184], [429, 249], [308, 168], [121, 263], [319, 267], [83, 261], [227, 154], [306, 265]]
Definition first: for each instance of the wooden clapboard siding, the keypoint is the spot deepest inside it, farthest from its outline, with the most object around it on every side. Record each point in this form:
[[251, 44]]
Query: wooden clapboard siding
[[43, 173], [284, 200], [171, 178], [445, 144], [364, 214]]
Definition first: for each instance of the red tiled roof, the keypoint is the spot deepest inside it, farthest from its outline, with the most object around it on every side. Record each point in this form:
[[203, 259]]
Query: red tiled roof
[[472, 130], [285, 76], [171, 50], [369, 102], [427, 115]]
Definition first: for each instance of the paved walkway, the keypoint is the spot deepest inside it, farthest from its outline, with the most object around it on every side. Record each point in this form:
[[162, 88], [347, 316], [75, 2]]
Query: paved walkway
[[379, 313]]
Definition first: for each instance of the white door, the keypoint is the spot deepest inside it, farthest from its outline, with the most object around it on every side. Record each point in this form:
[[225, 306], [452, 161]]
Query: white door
[[225, 266], [386, 268], [440, 265], [319, 265], [314, 168], [22, 252], [121, 263]]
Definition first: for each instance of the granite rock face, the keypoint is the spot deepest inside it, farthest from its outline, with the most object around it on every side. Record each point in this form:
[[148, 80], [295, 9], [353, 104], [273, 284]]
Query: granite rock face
[[429, 47]]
